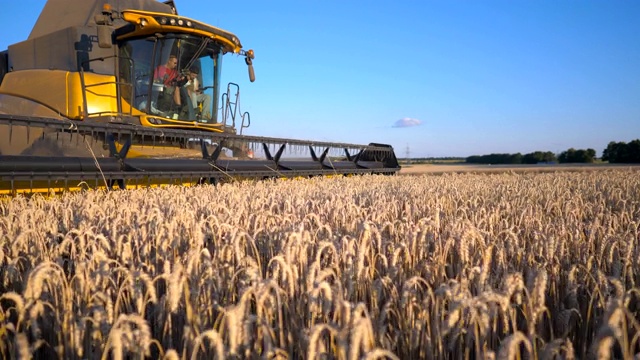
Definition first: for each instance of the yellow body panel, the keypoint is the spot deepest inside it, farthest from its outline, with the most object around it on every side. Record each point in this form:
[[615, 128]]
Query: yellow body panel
[[62, 90]]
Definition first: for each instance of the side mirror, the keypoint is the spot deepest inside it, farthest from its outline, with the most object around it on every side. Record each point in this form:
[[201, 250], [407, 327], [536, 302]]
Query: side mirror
[[104, 22], [104, 36], [252, 74]]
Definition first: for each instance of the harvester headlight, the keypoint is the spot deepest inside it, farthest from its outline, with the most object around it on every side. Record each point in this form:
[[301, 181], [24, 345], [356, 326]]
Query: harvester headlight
[[180, 22], [172, 21], [143, 22], [163, 21], [151, 120], [235, 40], [189, 24]]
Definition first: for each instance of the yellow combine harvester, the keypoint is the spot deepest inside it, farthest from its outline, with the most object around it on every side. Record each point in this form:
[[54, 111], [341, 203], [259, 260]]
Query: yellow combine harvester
[[127, 94]]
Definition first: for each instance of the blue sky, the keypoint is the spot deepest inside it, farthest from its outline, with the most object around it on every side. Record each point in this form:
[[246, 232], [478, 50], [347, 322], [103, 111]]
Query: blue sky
[[443, 78]]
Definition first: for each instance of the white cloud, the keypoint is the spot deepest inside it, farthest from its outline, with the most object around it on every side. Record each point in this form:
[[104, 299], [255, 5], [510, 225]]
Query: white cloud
[[407, 122]]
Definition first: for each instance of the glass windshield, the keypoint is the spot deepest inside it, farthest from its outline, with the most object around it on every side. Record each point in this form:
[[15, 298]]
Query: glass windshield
[[174, 77]]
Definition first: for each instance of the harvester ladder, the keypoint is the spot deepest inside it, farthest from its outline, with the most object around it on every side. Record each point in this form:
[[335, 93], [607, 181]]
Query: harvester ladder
[[118, 92], [232, 108]]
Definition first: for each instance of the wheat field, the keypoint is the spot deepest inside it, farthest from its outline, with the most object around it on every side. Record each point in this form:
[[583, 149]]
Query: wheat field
[[477, 266]]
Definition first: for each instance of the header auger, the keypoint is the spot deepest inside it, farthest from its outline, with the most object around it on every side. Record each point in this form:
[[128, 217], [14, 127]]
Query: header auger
[[106, 97]]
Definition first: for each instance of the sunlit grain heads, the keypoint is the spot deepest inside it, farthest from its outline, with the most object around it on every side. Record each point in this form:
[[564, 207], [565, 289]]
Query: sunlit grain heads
[[235, 318], [322, 341], [23, 348], [499, 307], [514, 287], [362, 339], [380, 354], [326, 254], [510, 349], [101, 314], [604, 344], [617, 289], [215, 341], [558, 349], [537, 299], [45, 273], [12, 306], [336, 269], [171, 354], [485, 269], [321, 299], [454, 317], [129, 335], [252, 270], [279, 270], [175, 287]]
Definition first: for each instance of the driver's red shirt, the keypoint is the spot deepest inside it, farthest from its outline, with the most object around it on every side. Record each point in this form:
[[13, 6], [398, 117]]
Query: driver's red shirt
[[165, 74]]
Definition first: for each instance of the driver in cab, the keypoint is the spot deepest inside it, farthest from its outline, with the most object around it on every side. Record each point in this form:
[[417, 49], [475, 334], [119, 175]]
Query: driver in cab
[[168, 75]]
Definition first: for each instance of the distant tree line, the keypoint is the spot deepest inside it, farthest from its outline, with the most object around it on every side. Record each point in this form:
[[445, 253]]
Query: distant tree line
[[616, 152], [442, 158], [495, 159], [531, 158], [537, 157], [577, 156], [621, 152]]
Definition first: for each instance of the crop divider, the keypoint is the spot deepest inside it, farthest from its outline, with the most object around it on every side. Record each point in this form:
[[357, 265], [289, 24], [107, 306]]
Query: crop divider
[[275, 158], [315, 157], [120, 156], [213, 158]]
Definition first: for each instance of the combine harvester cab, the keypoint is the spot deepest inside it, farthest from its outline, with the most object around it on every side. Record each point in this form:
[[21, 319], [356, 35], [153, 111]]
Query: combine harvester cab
[[129, 96]]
